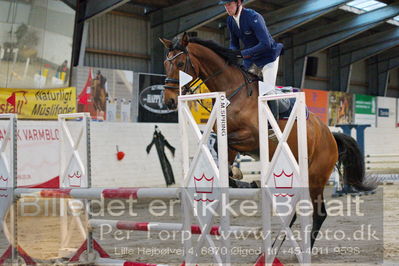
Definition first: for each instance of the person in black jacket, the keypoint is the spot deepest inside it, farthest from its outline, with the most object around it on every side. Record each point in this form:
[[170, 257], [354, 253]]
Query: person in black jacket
[[160, 144]]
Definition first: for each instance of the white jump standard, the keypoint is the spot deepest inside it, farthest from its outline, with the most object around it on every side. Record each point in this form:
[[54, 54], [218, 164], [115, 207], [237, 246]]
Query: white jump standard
[[203, 190]]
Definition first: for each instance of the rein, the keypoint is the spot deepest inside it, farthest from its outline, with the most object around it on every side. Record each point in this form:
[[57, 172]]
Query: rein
[[188, 88]]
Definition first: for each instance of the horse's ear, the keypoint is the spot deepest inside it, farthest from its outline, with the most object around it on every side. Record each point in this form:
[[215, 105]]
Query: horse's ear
[[184, 39], [168, 44]]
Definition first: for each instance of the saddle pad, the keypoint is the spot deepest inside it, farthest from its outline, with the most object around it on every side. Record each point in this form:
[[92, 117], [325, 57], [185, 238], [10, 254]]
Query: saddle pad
[[286, 115]]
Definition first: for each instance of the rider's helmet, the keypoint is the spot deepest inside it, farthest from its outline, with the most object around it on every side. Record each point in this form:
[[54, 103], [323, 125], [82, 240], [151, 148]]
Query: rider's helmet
[[223, 2]]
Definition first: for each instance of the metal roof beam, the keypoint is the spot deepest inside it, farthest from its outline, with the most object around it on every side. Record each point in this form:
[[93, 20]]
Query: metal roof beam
[[185, 16], [87, 10], [70, 3], [96, 8], [381, 40], [78, 32], [299, 46], [299, 13], [328, 35], [378, 71], [341, 57], [152, 3]]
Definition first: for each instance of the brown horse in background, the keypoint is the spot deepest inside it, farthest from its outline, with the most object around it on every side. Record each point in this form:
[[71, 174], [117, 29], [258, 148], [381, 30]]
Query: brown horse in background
[[99, 96], [343, 111], [218, 67]]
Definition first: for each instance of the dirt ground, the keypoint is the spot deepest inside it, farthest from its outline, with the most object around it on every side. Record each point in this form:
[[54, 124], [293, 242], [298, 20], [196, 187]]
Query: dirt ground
[[40, 236]]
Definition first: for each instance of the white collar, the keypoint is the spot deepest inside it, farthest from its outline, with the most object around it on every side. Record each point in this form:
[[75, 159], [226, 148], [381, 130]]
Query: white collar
[[237, 18]]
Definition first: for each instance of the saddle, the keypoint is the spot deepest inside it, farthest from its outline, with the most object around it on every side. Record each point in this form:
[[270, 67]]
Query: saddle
[[252, 74], [250, 77]]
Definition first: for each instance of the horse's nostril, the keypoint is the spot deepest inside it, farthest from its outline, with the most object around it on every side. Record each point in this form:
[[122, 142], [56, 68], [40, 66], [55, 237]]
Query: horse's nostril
[[171, 104]]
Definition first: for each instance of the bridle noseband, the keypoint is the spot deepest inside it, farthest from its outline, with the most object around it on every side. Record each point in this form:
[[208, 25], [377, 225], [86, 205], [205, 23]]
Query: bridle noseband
[[187, 64]]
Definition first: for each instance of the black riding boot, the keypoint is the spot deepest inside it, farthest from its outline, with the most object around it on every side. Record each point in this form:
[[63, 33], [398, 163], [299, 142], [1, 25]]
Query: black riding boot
[[279, 106], [240, 184]]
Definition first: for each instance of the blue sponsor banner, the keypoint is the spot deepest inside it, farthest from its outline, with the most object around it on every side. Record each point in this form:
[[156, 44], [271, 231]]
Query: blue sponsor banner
[[383, 112]]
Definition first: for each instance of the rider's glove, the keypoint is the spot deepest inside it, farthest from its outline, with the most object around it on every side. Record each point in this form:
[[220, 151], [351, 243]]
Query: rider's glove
[[237, 53]]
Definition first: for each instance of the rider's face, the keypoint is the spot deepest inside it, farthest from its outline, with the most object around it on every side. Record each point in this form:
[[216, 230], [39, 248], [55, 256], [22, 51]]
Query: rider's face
[[231, 8]]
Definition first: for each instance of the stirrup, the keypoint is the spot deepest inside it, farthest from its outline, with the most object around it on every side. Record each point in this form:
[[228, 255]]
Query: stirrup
[[272, 135]]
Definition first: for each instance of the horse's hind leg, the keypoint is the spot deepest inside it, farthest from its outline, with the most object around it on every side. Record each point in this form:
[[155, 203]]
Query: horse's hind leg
[[277, 249], [319, 215], [322, 165]]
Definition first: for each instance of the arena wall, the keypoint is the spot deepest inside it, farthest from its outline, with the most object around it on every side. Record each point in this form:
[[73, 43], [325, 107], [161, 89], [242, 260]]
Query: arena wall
[[139, 169]]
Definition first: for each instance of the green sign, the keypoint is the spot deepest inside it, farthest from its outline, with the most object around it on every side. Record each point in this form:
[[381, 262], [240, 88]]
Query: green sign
[[364, 104]]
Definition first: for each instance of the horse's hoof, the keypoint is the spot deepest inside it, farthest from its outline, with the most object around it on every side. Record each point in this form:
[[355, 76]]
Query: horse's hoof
[[236, 173], [232, 183]]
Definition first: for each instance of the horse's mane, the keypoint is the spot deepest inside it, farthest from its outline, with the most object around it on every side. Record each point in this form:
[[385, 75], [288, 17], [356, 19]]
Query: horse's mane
[[227, 54]]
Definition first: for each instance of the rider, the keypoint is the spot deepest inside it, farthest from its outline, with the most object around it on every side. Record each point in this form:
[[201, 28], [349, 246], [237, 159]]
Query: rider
[[260, 49], [103, 81]]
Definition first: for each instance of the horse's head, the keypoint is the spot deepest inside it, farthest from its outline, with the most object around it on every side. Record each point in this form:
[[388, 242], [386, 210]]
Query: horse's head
[[178, 58]]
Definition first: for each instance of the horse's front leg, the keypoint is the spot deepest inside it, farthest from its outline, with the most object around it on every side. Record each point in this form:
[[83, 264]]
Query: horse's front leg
[[231, 156], [234, 171]]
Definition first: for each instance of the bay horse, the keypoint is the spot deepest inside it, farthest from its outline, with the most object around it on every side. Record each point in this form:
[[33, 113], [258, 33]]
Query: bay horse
[[99, 96], [343, 111], [218, 67]]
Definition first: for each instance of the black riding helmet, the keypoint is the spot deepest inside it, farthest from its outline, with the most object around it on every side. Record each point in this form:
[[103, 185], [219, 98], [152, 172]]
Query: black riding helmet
[[223, 2]]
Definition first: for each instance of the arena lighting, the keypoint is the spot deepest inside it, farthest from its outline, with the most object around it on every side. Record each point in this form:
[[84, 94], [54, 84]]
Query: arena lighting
[[363, 6], [366, 5]]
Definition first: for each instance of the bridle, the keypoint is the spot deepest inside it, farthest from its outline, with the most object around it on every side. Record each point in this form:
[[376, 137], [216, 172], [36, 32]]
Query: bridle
[[187, 89], [187, 64]]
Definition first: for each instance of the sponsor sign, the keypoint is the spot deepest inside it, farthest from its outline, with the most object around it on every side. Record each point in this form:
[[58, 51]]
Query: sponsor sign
[[38, 103]]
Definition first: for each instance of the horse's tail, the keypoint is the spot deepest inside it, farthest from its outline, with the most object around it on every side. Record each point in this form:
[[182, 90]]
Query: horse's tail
[[351, 158]]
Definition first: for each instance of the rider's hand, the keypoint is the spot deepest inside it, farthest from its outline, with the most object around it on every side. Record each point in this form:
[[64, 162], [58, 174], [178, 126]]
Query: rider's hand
[[237, 53]]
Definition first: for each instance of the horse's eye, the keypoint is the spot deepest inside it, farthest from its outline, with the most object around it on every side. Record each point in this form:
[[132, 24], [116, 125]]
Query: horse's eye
[[180, 64]]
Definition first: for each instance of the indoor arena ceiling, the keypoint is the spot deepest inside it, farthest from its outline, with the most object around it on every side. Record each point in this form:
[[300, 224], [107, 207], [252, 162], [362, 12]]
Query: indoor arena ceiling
[[351, 30], [144, 8]]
